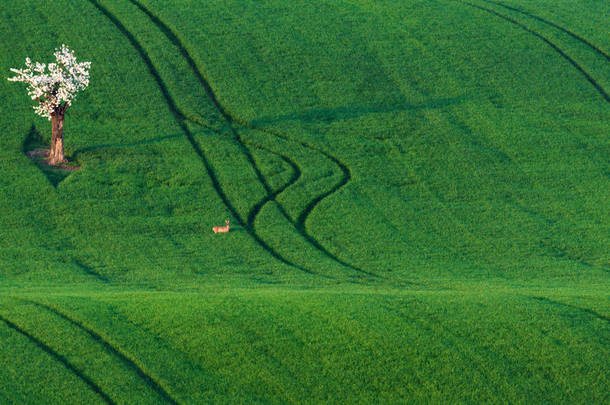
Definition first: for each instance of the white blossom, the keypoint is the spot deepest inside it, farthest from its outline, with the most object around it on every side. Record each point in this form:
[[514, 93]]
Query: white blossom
[[54, 85]]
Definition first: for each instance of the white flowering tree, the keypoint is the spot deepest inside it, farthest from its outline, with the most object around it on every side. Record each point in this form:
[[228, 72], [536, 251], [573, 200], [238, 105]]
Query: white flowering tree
[[54, 86]]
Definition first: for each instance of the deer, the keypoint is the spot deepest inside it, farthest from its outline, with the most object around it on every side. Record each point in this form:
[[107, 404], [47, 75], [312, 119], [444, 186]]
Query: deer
[[221, 229]]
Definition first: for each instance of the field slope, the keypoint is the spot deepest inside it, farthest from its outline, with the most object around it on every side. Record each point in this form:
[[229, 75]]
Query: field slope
[[418, 194]]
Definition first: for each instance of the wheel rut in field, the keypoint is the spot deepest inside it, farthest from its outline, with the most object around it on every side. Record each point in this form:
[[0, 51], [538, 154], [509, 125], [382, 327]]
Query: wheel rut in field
[[552, 24], [125, 359], [299, 224], [296, 175], [231, 120], [90, 271], [173, 38], [271, 195], [556, 48], [562, 304], [181, 120], [58, 357]]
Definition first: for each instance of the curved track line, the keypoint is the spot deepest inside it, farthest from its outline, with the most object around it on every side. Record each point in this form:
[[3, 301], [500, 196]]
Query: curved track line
[[90, 271], [149, 380], [296, 175], [300, 223], [559, 27], [586, 310], [587, 76], [50, 351], [271, 196], [181, 118]]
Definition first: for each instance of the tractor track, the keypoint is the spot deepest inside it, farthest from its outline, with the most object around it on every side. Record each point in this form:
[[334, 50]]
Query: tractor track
[[231, 120], [580, 309], [271, 195], [296, 175], [556, 48], [299, 224], [55, 355], [181, 119], [552, 24], [90, 271], [173, 38], [124, 358]]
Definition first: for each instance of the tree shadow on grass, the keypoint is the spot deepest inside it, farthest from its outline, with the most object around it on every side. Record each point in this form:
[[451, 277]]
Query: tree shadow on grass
[[35, 147], [329, 115], [127, 144]]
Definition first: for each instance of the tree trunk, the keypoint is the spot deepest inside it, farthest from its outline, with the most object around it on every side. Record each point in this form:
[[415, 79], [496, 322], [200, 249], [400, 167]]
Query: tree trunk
[[56, 154]]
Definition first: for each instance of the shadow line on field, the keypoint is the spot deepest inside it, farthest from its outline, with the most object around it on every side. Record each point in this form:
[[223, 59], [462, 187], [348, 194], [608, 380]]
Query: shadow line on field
[[329, 115], [128, 144]]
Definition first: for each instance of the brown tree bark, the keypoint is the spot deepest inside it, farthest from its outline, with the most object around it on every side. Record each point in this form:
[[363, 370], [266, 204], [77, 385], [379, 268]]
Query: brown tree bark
[[56, 154]]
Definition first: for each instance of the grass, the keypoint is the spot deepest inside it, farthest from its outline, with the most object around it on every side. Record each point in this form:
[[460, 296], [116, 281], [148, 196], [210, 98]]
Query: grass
[[417, 193]]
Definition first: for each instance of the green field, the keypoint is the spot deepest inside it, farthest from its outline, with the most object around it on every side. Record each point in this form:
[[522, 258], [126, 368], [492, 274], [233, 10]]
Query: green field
[[418, 190]]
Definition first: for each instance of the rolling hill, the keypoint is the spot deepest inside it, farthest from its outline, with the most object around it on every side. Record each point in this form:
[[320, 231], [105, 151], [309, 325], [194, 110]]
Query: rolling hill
[[418, 193]]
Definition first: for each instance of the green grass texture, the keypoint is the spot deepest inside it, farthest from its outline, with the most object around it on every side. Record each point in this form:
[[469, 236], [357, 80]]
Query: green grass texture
[[418, 190]]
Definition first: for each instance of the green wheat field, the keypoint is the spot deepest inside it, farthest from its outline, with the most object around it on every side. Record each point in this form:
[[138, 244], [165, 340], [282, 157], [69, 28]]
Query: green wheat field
[[418, 192]]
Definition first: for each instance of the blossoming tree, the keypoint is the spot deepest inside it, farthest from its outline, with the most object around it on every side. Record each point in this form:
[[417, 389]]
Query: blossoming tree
[[54, 86]]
